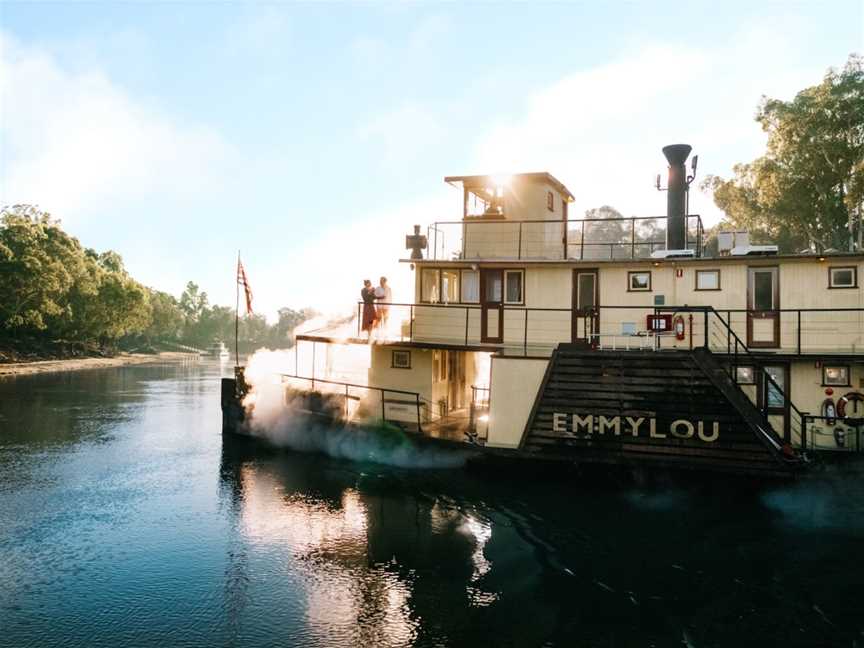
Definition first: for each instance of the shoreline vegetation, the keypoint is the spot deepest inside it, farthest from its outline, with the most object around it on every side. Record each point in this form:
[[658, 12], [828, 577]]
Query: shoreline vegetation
[[93, 362], [61, 301]]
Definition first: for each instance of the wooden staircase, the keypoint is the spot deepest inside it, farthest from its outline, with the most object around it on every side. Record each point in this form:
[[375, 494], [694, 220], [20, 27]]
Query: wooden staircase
[[677, 409]]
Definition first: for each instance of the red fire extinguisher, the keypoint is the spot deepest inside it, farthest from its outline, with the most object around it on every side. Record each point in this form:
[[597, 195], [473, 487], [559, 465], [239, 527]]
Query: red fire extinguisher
[[678, 327]]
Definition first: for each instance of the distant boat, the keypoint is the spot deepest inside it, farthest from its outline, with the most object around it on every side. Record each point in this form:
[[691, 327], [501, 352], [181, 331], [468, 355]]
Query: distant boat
[[218, 350]]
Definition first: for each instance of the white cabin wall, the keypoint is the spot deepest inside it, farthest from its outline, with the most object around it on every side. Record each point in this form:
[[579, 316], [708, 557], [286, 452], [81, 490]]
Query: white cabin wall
[[416, 379], [515, 383]]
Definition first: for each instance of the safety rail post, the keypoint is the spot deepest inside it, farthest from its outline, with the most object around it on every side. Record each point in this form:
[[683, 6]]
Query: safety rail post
[[633, 238], [383, 408], [728, 330], [466, 326], [582, 243], [519, 249], [417, 399], [799, 331], [411, 324], [705, 329], [525, 335], [346, 402]]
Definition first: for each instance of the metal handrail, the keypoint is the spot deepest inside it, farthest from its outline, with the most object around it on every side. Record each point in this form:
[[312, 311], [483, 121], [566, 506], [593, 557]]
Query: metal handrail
[[576, 224], [382, 390]]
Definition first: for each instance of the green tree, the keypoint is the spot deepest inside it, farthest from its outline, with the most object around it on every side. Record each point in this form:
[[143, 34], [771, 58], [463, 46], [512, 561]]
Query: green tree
[[166, 321], [807, 190], [39, 263]]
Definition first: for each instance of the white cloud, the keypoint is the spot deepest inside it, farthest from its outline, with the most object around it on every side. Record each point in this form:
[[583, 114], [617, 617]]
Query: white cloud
[[328, 273], [75, 142], [404, 133], [600, 130]]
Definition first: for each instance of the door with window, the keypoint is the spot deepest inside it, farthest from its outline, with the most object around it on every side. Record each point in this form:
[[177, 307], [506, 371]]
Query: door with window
[[491, 306], [773, 396], [585, 321], [763, 304]]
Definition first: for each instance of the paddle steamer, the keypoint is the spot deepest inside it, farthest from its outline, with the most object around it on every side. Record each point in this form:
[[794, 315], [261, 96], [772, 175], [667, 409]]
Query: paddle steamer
[[633, 341]]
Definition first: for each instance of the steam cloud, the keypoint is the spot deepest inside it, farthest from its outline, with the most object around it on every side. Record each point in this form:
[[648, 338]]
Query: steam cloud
[[287, 425]]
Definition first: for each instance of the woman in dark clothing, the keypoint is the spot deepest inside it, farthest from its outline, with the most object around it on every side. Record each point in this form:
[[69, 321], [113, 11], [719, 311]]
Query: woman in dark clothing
[[369, 314]]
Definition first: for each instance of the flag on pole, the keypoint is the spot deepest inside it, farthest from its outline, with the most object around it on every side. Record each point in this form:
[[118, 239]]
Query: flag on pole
[[243, 281]]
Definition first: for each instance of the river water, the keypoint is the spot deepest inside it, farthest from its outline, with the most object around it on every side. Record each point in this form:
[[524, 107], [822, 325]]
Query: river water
[[126, 520]]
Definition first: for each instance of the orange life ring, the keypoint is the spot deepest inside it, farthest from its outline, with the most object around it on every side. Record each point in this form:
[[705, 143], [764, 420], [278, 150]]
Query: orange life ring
[[851, 397]]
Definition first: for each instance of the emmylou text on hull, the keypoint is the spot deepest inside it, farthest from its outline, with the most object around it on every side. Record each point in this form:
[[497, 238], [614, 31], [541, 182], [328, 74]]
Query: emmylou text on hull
[[535, 335]]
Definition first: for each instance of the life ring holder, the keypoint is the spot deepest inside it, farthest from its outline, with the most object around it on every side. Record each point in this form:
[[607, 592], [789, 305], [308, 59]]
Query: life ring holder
[[843, 401]]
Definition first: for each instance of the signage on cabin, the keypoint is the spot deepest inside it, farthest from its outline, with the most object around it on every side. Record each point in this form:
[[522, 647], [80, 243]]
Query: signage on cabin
[[582, 425]]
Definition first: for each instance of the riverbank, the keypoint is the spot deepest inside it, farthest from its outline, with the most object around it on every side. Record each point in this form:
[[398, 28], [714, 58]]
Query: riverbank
[[77, 364]]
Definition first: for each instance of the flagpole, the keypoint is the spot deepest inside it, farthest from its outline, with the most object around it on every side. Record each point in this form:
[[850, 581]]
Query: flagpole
[[237, 312]]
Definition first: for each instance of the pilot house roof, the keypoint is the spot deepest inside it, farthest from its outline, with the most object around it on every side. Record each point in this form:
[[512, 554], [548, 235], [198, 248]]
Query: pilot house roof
[[483, 181]]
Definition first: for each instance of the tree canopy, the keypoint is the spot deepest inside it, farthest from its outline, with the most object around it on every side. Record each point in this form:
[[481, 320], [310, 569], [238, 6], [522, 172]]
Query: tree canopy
[[807, 191], [53, 288]]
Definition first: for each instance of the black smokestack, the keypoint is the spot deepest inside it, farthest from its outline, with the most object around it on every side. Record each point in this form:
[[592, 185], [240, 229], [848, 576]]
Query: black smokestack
[[676, 197]]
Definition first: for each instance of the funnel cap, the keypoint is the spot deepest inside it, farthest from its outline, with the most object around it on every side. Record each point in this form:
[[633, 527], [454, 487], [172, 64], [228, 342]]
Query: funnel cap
[[677, 153]]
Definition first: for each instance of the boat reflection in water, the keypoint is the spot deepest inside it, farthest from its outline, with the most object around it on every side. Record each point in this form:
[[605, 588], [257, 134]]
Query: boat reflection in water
[[355, 557], [338, 553]]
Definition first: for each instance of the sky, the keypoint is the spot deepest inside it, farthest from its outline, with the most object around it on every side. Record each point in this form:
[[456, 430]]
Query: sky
[[312, 137]]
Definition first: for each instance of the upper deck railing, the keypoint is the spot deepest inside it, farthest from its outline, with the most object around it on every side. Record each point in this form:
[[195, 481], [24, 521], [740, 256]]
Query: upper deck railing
[[801, 331], [577, 239]]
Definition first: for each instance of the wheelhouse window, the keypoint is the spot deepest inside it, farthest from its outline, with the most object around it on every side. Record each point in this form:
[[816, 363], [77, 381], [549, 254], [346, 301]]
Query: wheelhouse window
[[550, 201], [429, 288], [471, 286], [639, 281], [450, 286], [513, 281], [843, 277], [707, 280], [835, 375]]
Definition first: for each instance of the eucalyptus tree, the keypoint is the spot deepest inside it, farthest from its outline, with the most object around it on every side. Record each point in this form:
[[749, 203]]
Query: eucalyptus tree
[[807, 191]]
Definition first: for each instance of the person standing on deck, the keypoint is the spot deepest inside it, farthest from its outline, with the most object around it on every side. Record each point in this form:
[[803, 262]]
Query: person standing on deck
[[369, 314], [384, 294]]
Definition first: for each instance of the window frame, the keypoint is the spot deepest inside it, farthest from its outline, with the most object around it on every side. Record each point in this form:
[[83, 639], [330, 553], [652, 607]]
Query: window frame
[[550, 201], [462, 299], [458, 273], [631, 273], [437, 272], [752, 380], [833, 286], [707, 270], [394, 364], [826, 367], [505, 301], [439, 283]]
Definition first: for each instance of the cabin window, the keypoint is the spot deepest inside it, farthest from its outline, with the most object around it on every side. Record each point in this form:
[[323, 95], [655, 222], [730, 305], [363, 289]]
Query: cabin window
[[745, 376], [429, 288], [449, 286], [639, 282], [707, 280], [471, 286], [835, 375], [513, 282], [401, 360], [843, 277], [550, 201]]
